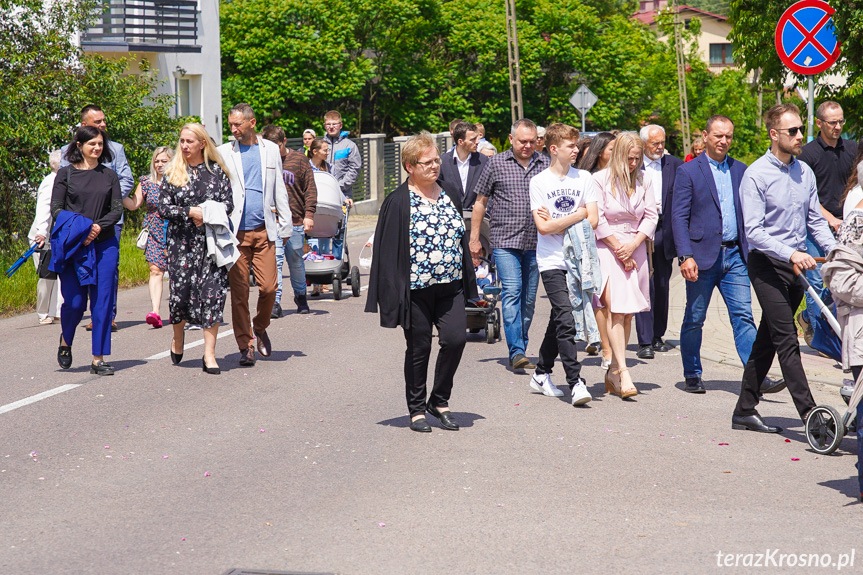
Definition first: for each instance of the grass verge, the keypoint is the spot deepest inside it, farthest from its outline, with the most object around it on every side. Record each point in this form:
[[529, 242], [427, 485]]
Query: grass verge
[[18, 293]]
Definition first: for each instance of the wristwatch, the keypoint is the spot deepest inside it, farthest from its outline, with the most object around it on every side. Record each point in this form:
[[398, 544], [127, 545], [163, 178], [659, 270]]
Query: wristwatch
[[682, 259]]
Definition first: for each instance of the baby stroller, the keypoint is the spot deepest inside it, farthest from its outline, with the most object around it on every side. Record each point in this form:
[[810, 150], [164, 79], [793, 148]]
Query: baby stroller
[[331, 223], [825, 427], [483, 312]]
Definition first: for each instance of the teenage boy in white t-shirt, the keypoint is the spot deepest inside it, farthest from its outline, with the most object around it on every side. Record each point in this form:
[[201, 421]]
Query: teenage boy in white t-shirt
[[560, 196]]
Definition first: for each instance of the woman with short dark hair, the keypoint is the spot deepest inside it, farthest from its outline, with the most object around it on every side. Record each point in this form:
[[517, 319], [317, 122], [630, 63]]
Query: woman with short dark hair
[[86, 203], [421, 274]]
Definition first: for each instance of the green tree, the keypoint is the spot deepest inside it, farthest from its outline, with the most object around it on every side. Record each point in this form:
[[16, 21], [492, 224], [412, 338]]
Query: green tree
[[46, 82]]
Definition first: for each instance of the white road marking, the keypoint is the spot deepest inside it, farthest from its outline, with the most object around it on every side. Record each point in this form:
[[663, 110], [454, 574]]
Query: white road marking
[[37, 397], [69, 386]]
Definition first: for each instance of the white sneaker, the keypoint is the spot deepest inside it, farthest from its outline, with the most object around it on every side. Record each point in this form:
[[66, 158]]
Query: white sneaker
[[580, 395], [542, 383], [605, 363]]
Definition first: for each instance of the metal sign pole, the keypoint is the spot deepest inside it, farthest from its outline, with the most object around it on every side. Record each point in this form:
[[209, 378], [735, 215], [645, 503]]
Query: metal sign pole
[[810, 130], [583, 124]]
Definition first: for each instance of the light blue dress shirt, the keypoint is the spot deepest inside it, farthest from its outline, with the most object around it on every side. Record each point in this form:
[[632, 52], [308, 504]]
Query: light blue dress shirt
[[722, 178], [780, 203]]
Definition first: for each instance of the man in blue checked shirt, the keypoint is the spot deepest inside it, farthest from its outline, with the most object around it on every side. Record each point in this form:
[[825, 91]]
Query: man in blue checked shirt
[[780, 205]]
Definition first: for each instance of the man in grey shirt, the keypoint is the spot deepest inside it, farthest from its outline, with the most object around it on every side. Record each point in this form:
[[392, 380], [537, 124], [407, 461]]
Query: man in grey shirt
[[779, 200]]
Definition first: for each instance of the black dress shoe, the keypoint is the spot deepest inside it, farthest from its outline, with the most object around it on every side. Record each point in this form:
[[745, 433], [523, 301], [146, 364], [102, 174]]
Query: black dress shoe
[[302, 304], [64, 356], [263, 343], [445, 417], [659, 345], [694, 385], [176, 358], [752, 423], [247, 357], [645, 352], [211, 370], [101, 368], [421, 425], [772, 385], [277, 311]]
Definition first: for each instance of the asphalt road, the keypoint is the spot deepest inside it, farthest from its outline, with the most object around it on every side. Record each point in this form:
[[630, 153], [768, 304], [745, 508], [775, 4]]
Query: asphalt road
[[305, 462]]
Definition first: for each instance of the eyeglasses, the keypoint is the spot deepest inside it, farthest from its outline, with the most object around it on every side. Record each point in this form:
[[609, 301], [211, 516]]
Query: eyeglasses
[[332, 124], [791, 131], [428, 164], [834, 123]]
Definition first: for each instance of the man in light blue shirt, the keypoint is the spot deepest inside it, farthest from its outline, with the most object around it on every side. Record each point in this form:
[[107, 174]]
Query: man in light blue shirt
[[92, 115], [780, 205], [709, 238]]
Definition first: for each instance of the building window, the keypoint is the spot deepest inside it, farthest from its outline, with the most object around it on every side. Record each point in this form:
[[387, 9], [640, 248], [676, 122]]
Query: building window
[[721, 54]]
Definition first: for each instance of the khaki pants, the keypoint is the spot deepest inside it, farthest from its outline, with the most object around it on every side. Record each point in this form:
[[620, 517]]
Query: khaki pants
[[259, 253]]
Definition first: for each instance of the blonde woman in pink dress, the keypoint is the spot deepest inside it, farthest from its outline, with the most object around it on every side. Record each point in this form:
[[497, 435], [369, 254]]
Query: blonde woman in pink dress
[[627, 217]]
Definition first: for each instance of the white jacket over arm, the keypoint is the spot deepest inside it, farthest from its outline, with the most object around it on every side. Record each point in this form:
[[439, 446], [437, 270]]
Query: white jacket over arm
[[42, 220], [275, 193]]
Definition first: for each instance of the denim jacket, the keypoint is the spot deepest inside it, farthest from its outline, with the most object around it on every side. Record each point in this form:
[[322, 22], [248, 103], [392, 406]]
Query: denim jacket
[[583, 278]]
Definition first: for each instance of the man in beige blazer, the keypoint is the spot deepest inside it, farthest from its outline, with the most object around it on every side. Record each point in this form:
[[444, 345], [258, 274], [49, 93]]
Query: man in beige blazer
[[256, 180]]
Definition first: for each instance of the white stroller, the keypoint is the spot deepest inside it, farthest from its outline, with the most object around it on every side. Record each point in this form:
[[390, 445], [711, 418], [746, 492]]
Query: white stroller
[[330, 223]]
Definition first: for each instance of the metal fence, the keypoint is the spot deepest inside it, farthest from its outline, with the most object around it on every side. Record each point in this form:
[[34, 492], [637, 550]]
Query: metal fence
[[146, 22], [362, 187], [392, 167]]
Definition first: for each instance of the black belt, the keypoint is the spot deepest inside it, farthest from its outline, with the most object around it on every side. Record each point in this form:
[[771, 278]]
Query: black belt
[[730, 244]]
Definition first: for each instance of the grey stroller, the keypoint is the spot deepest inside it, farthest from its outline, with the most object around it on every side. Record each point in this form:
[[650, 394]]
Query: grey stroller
[[331, 223]]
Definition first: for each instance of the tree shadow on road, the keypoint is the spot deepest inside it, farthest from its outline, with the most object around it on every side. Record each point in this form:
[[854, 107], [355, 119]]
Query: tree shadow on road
[[464, 419]]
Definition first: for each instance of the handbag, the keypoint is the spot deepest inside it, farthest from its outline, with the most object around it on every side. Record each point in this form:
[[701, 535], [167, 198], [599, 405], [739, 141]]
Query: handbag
[[143, 236], [44, 262]]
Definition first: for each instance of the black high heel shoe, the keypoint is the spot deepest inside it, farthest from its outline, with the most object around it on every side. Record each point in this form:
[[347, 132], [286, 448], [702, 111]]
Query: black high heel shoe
[[211, 370], [177, 357]]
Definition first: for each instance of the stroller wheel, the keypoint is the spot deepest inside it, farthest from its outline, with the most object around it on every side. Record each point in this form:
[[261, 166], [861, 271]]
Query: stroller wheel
[[824, 429], [497, 324], [355, 281], [489, 330], [337, 288]]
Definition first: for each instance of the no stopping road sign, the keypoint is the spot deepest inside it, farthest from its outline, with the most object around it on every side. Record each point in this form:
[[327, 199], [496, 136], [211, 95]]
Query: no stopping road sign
[[806, 38]]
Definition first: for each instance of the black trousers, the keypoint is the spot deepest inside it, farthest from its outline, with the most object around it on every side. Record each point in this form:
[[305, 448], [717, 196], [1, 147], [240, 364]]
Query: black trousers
[[650, 325], [440, 305], [779, 294], [560, 333]]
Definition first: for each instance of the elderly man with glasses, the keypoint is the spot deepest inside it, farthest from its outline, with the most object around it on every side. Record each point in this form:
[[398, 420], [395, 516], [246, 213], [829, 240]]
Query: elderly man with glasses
[[832, 159], [779, 201]]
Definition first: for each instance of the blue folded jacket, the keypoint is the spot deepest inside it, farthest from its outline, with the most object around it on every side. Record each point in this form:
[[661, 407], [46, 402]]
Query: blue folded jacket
[[67, 246]]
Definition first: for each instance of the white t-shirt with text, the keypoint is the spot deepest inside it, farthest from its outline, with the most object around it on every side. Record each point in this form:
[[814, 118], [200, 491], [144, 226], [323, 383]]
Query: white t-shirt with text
[[561, 196]]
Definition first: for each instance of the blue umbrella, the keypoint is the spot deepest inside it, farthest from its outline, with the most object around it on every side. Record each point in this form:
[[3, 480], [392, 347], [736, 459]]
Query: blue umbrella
[[14, 268]]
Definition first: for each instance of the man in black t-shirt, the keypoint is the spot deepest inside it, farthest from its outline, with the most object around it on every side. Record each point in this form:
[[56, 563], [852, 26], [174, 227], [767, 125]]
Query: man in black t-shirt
[[832, 159]]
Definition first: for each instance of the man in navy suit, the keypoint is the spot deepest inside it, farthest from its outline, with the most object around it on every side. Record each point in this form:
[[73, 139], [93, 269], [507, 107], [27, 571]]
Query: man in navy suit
[[710, 240], [463, 164], [650, 325]]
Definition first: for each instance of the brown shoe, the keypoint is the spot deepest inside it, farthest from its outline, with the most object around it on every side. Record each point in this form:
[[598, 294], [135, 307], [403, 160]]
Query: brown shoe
[[247, 357], [114, 326], [89, 326], [263, 343]]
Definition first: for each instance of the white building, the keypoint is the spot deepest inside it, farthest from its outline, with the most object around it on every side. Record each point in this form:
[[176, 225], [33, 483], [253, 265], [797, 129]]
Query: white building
[[180, 41]]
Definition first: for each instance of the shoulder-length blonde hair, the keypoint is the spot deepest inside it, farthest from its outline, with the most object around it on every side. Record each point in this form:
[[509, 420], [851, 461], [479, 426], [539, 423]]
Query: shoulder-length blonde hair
[[177, 170], [168, 151], [622, 180]]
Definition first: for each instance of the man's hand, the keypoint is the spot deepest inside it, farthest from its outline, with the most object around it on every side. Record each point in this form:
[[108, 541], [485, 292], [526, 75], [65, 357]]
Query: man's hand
[[834, 222], [40, 241], [689, 270], [543, 213], [308, 225], [803, 260], [349, 202], [475, 251], [196, 214], [95, 229]]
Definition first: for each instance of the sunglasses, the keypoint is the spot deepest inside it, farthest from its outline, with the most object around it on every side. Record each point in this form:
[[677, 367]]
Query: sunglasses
[[791, 131]]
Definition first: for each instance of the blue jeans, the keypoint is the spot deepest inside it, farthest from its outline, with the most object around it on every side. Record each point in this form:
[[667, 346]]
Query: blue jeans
[[811, 313], [295, 263], [729, 274], [339, 240], [519, 278]]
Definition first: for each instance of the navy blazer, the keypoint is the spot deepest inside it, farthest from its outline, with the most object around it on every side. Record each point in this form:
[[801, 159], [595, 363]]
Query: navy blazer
[[669, 164], [449, 173], [695, 212]]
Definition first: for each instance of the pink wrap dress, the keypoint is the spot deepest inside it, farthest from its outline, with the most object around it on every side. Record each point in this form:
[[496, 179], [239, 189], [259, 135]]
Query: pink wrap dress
[[623, 217]]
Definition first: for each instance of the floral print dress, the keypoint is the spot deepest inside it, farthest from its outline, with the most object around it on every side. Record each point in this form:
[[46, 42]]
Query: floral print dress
[[436, 230], [198, 287], [155, 252]]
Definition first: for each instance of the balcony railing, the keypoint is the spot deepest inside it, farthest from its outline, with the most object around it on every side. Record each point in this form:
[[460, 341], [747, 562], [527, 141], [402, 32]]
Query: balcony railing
[[144, 26]]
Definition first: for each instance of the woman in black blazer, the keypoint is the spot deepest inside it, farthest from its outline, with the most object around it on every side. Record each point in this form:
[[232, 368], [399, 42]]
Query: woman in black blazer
[[421, 274]]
